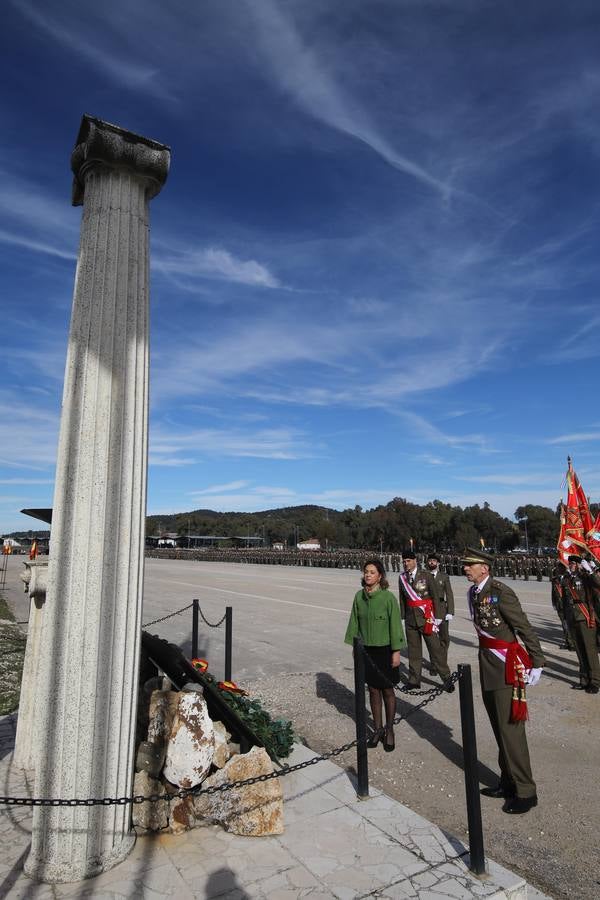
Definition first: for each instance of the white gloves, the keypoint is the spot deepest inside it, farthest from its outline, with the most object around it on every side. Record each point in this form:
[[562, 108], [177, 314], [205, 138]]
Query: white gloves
[[449, 617], [438, 621], [533, 676], [588, 566]]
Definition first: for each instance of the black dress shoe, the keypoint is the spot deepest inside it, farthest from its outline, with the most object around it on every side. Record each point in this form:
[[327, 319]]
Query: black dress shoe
[[389, 742], [413, 685], [578, 687], [449, 687], [433, 672], [375, 738], [591, 689], [497, 791], [518, 805]]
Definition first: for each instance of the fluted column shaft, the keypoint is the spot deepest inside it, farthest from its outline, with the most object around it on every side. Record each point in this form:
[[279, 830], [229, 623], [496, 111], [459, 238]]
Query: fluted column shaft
[[90, 646]]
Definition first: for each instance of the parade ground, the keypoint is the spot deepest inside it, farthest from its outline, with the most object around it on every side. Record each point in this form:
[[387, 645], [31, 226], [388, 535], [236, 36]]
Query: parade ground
[[288, 628]]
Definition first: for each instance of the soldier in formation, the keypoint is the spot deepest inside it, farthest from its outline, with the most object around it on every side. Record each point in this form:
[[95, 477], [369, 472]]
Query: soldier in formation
[[444, 605], [560, 602], [580, 585]]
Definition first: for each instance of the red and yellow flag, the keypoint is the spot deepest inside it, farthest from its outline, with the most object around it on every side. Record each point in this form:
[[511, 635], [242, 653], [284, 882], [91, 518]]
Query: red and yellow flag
[[576, 523]]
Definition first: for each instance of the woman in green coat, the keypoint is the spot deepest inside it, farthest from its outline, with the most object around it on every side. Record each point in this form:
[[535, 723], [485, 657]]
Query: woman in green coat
[[375, 617]]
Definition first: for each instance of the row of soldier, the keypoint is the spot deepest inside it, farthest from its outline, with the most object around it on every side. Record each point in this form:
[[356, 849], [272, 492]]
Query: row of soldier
[[505, 566]]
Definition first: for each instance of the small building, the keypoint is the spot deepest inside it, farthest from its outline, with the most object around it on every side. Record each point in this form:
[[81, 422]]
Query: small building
[[310, 544]]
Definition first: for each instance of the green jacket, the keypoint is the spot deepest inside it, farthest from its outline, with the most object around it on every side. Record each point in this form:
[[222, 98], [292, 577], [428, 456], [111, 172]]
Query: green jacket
[[376, 619]]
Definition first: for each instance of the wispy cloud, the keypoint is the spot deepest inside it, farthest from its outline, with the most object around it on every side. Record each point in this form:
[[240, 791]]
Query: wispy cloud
[[31, 440], [220, 488], [124, 71], [17, 240], [512, 479], [26, 481], [268, 443], [575, 438], [298, 70], [215, 262]]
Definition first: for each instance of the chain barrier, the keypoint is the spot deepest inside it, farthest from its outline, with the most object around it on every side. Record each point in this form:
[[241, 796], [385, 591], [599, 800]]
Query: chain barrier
[[164, 618], [181, 794], [211, 624], [429, 694], [170, 616], [228, 786]]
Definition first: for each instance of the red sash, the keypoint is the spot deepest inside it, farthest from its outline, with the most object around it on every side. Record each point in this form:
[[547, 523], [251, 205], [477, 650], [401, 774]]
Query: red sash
[[425, 604], [588, 614], [516, 662]]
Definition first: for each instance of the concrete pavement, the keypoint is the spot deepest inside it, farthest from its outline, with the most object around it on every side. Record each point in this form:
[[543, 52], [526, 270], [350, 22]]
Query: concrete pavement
[[334, 846]]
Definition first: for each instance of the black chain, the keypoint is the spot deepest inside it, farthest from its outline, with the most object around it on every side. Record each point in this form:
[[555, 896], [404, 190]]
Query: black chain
[[430, 693], [181, 794], [227, 786], [211, 624], [163, 619], [170, 616]]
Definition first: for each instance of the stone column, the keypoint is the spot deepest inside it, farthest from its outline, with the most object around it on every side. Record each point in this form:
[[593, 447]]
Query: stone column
[[90, 642], [27, 738]]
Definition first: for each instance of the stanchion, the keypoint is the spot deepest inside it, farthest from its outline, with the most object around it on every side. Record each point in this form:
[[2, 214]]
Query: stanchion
[[228, 641], [195, 610], [469, 740], [362, 765]]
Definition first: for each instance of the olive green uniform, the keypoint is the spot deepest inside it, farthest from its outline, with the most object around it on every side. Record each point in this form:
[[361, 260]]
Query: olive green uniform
[[497, 611], [423, 585], [444, 605], [579, 600]]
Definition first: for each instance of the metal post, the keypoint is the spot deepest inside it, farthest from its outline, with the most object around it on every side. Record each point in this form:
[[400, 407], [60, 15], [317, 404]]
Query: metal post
[[467, 718], [362, 765], [195, 611], [228, 640]]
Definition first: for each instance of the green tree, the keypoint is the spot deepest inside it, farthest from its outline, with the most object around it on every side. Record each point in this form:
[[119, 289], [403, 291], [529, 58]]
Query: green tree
[[542, 525]]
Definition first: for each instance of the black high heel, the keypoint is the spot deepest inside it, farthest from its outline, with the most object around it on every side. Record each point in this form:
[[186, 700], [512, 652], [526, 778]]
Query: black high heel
[[375, 738], [388, 745]]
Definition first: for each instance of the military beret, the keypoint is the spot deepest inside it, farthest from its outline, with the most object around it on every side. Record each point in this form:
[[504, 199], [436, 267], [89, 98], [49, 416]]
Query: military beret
[[574, 557], [409, 554], [471, 556]]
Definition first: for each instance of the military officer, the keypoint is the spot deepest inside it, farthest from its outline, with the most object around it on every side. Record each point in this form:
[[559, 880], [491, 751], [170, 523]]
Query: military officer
[[417, 596], [505, 666], [561, 603], [444, 604], [579, 584]]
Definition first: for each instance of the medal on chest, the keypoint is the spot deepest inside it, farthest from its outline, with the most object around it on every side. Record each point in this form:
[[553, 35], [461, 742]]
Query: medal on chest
[[486, 611]]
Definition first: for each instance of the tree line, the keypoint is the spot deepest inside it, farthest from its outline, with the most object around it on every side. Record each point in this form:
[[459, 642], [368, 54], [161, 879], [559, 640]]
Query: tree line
[[390, 527]]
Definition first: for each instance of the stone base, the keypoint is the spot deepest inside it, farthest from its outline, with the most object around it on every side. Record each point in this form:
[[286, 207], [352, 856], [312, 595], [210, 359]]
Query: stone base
[[51, 872]]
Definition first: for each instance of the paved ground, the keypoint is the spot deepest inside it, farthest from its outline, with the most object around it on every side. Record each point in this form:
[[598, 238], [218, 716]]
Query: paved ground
[[288, 631]]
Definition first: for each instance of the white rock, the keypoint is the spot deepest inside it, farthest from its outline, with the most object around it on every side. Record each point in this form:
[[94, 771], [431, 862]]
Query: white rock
[[191, 743]]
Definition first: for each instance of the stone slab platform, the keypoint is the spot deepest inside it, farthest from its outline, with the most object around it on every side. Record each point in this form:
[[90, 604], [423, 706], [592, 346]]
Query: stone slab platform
[[334, 846]]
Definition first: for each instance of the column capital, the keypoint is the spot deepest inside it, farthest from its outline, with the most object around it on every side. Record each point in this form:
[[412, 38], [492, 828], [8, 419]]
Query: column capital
[[101, 144]]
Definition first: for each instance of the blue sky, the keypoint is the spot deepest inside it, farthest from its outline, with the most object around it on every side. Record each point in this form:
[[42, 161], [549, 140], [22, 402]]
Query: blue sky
[[375, 262]]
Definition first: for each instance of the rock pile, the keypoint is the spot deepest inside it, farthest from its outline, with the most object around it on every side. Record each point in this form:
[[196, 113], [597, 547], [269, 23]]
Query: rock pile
[[185, 749]]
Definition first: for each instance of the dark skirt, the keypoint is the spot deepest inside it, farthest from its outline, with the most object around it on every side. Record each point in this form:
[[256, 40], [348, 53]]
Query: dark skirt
[[382, 657]]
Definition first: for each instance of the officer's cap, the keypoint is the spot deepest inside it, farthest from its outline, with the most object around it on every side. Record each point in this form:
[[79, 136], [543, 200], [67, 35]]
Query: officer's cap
[[472, 556], [574, 557], [409, 554], [433, 555]]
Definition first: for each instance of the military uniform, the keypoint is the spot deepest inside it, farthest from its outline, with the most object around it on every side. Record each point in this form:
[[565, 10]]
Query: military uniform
[[560, 602], [423, 585], [496, 610], [579, 601], [444, 606]]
